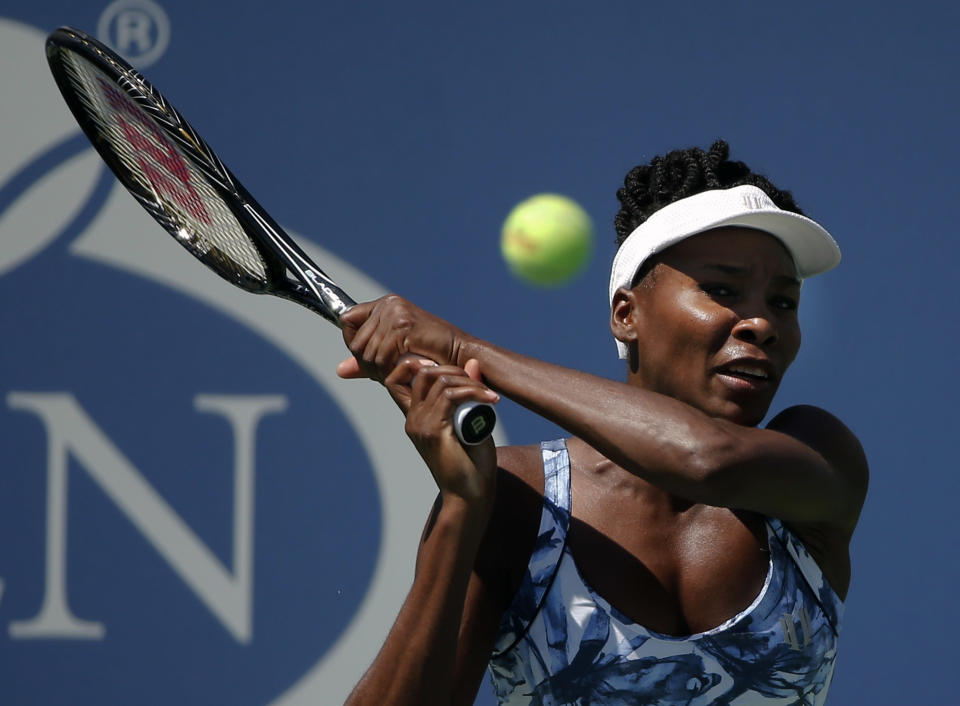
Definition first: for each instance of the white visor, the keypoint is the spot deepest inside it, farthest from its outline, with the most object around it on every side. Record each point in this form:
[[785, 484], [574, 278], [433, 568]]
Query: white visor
[[811, 246]]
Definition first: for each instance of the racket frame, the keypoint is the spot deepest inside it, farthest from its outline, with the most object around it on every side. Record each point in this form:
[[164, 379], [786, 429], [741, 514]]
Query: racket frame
[[310, 286]]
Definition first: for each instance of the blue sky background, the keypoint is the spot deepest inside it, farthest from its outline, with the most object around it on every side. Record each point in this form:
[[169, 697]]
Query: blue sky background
[[399, 135]]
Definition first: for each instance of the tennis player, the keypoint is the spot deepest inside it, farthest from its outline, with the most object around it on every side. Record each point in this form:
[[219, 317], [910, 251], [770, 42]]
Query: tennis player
[[671, 551]]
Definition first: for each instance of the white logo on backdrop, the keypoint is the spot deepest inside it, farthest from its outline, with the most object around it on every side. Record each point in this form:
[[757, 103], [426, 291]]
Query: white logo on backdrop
[[123, 236], [70, 431], [139, 30]]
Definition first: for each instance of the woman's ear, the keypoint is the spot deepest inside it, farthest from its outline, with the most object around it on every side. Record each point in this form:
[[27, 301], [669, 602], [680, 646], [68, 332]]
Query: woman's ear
[[624, 316]]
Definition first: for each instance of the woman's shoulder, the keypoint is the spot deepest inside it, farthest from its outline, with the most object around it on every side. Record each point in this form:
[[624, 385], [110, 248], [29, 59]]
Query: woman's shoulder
[[519, 488], [834, 441], [828, 543], [521, 464], [819, 428]]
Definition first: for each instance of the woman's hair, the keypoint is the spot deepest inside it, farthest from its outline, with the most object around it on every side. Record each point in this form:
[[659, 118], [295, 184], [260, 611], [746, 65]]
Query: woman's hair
[[683, 173]]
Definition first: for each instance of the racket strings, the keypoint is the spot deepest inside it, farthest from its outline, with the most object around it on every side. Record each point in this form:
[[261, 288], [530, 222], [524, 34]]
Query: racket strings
[[171, 187]]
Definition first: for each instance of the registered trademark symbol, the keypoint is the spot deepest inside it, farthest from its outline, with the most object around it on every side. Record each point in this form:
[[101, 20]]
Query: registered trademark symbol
[[137, 29]]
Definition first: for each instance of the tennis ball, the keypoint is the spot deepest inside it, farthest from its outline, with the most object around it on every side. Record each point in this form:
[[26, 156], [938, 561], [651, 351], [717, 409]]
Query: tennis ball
[[547, 239]]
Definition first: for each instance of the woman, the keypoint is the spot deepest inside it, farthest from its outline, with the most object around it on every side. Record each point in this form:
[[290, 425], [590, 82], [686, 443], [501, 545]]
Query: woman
[[671, 551]]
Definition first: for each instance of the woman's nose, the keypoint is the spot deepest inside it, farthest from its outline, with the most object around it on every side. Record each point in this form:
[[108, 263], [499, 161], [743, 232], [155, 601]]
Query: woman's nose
[[758, 330]]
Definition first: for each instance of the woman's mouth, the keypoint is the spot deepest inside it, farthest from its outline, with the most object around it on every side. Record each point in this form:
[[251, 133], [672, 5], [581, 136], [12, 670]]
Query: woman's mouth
[[746, 376]]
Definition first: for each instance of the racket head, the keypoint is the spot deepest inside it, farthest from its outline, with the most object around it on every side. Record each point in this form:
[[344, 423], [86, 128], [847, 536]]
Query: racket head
[[178, 179], [162, 161]]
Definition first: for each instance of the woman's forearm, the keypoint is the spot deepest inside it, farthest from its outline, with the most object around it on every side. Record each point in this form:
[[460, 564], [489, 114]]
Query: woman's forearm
[[657, 437], [416, 663]]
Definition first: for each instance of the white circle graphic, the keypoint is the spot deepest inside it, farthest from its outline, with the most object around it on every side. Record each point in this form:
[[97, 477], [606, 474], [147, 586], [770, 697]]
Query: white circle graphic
[[122, 236], [139, 30]]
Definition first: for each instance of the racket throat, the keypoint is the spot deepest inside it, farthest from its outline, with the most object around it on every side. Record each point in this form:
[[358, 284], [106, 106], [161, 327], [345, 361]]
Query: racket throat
[[330, 294]]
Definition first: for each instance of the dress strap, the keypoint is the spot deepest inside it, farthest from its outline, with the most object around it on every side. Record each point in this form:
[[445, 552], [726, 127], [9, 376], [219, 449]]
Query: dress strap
[[548, 550], [828, 599], [556, 474]]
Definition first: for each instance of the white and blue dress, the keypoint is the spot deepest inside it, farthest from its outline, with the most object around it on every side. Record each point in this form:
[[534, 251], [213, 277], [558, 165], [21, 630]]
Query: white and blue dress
[[562, 643]]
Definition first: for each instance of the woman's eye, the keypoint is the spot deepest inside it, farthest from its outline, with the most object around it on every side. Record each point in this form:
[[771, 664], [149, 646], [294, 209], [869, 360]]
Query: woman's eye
[[786, 303], [718, 290]]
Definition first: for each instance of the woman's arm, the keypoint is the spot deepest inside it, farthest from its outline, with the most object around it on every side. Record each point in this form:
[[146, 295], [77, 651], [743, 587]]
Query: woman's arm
[[423, 660], [419, 659], [807, 468]]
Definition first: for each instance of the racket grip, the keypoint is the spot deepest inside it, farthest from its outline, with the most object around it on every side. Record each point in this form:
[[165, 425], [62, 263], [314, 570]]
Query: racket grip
[[474, 422]]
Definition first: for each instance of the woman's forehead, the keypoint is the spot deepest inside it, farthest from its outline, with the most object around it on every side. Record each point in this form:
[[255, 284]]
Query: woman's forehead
[[734, 246]]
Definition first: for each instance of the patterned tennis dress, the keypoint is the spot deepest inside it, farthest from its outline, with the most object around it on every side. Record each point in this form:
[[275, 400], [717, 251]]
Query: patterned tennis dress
[[561, 643]]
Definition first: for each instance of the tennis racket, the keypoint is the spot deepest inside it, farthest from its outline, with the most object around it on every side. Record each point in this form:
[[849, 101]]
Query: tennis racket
[[182, 183]]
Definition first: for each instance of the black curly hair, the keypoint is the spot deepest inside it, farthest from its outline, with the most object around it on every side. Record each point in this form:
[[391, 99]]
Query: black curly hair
[[683, 173]]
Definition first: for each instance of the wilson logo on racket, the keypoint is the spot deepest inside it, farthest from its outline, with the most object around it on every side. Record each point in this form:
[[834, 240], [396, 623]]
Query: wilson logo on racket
[[162, 152]]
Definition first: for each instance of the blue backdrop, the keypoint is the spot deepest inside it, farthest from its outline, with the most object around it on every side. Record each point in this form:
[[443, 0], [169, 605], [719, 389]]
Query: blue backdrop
[[195, 511]]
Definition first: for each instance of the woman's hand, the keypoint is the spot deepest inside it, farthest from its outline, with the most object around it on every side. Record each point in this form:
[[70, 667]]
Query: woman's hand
[[429, 394], [381, 332]]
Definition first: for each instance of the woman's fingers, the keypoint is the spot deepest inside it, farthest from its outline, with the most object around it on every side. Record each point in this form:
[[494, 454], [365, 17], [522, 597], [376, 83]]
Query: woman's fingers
[[472, 369], [435, 394], [378, 333], [349, 369], [430, 382], [398, 382]]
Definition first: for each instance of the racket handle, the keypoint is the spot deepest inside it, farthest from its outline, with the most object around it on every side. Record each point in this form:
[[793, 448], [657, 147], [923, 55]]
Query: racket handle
[[474, 422]]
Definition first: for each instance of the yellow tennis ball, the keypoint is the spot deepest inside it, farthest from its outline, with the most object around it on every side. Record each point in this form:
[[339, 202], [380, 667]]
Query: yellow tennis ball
[[547, 239]]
